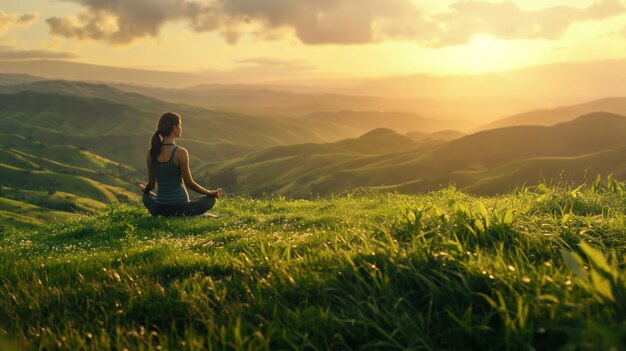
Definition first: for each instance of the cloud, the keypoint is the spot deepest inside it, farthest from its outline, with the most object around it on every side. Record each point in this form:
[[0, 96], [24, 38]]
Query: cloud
[[118, 21], [10, 21], [9, 53], [312, 21], [325, 21]]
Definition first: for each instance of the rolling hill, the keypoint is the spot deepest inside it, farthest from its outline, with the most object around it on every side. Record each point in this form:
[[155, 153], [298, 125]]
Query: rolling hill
[[487, 162], [41, 182], [296, 169], [95, 116], [77, 146]]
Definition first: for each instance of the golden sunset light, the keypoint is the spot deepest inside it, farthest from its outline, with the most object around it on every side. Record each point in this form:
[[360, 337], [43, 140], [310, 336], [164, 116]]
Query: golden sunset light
[[315, 39], [312, 175]]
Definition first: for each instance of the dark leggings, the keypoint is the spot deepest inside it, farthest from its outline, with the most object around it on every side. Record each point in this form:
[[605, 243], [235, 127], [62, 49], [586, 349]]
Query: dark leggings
[[191, 208]]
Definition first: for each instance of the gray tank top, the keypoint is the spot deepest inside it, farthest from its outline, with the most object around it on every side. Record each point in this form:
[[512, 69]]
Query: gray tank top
[[170, 190]]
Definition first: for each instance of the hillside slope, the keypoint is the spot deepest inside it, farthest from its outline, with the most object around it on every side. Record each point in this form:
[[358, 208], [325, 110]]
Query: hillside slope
[[487, 162], [297, 170], [75, 146], [42, 182], [97, 116]]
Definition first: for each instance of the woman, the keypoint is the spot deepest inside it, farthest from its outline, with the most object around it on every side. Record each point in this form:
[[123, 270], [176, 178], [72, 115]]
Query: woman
[[168, 166]]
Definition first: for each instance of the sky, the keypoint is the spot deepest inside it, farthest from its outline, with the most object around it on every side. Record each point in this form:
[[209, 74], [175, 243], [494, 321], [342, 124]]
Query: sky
[[314, 38]]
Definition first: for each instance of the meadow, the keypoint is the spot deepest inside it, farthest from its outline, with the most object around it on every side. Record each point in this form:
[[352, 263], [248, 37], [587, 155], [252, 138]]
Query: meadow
[[538, 268]]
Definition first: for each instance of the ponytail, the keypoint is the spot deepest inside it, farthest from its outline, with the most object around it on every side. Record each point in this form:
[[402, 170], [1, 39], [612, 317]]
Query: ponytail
[[155, 146], [166, 123]]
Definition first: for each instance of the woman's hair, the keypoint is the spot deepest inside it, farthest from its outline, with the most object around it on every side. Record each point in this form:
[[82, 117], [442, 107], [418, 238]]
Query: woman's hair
[[166, 123]]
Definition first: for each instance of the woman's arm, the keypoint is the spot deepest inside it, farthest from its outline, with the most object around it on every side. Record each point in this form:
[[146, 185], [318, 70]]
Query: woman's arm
[[189, 182], [151, 181]]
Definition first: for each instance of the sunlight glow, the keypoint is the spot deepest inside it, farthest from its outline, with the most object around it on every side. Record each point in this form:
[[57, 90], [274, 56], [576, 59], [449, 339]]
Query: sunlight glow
[[485, 53]]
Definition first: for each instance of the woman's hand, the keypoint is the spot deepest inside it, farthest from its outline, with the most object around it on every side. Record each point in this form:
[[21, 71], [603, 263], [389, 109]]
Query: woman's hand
[[145, 187], [216, 193]]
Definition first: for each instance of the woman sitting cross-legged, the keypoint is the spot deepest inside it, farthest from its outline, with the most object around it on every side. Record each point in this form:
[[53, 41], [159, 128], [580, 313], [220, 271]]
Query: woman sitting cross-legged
[[168, 166]]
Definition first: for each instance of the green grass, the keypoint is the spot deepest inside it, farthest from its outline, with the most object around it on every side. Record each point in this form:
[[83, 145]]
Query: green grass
[[366, 271], [18, 213]]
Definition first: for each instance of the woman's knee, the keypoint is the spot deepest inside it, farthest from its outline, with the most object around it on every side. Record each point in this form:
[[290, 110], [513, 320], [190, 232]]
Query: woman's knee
[[209, 201], [200, 205], [150, 203]]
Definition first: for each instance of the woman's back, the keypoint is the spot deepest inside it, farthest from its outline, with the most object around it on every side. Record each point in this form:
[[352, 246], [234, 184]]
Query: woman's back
[[170, 188]]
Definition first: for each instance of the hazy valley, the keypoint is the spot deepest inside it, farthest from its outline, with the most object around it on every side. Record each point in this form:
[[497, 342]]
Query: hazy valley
[[75, 146]]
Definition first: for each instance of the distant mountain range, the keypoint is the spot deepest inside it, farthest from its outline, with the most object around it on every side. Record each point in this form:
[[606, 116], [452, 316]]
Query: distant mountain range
[[547, 117], [476, 98], [553, 83], [400, 122], [272, 101], [74, 71]]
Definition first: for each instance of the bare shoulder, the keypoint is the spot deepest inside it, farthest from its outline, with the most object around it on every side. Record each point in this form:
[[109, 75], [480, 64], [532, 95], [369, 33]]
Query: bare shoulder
[[181, 155], [183, 151]]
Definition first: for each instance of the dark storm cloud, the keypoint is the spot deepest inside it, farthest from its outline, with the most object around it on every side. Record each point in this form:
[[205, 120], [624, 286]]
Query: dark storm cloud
[[325, 21]]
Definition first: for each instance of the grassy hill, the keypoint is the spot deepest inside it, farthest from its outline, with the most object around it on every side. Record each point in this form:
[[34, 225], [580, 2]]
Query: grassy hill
[[370, 271], [42, 182], [93, 114], [589, 133], [297, 170], [87, 98], [487, 162], [89, 141]]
